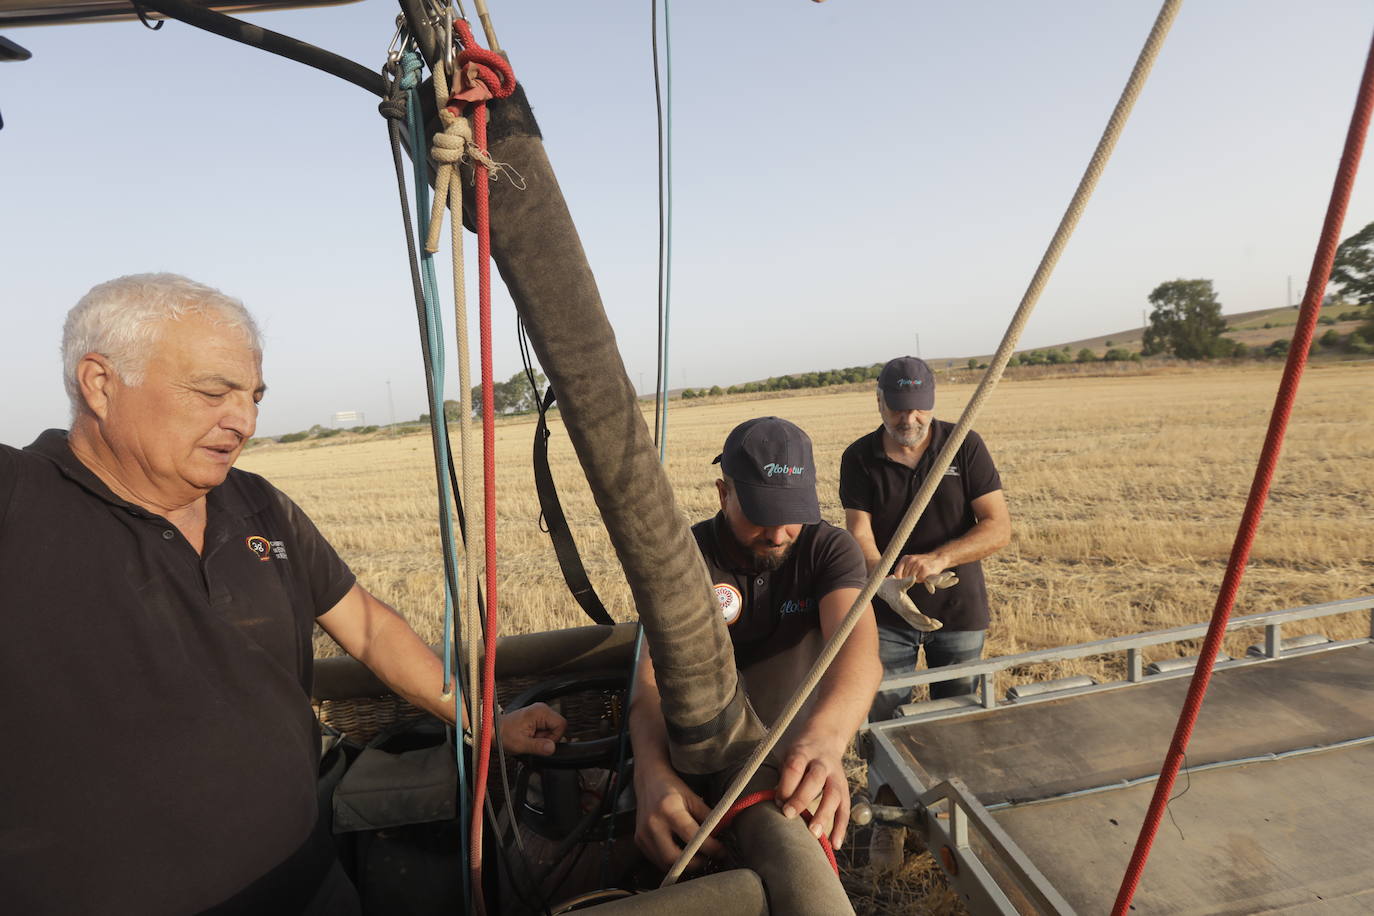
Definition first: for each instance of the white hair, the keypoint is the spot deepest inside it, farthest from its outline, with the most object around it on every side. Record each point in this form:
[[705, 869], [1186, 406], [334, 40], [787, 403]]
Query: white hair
[[120, 319]]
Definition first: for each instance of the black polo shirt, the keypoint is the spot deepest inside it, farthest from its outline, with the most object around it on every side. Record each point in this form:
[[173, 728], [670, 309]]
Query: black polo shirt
[[160, 752], [769, 612], [872, 482]]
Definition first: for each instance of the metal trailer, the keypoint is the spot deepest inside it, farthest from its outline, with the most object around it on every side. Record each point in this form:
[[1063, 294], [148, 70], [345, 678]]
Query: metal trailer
[[1031, 802]]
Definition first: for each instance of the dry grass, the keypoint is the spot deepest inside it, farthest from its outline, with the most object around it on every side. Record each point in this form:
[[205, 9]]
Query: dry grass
[[1125, 494]]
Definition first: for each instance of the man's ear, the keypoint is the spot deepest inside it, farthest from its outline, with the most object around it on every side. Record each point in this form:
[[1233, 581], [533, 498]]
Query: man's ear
[[723, 491], [95, 378]]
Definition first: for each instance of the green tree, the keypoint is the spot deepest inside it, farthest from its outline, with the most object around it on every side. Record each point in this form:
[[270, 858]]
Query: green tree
[[1353, 269], [1186, 321], [1086, 355], [514, 395], [973, 362]]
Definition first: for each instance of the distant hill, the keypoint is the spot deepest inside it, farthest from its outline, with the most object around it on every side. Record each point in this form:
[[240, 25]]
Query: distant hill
[[1257, 329], [1261, 326]]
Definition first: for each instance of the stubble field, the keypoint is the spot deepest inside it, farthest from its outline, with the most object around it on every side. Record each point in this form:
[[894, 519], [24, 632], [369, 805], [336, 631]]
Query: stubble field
[[1125, 494]]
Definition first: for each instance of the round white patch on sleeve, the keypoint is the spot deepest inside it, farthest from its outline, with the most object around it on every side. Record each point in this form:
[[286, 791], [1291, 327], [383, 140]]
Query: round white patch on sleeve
[[731, 602]]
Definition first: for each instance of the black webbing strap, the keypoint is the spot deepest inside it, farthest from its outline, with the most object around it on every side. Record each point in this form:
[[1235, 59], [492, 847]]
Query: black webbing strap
[[564, 547]]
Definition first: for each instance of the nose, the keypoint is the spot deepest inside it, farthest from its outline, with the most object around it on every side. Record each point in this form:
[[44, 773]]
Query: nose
[[240, 415], [776, 535]]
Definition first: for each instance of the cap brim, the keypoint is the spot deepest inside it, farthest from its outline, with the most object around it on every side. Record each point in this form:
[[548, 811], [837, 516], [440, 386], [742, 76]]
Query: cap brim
[[771, 506], [909, 398]]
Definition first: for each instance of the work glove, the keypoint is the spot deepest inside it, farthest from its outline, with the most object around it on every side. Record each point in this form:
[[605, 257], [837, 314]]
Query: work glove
[[894, 594]]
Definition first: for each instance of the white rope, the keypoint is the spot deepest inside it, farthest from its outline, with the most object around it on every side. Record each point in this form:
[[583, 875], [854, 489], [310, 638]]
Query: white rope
[[1115, 125]]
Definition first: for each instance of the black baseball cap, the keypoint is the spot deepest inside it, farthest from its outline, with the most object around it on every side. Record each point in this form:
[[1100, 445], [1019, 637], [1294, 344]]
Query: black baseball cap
[[769, 460], [907, 384]]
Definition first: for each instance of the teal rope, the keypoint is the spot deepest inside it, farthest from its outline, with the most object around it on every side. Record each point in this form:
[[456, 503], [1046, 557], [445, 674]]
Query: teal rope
[[434, 338]]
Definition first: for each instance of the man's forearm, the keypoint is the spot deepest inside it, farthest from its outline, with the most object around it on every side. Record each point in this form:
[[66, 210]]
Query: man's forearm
[[985, 538], [648, 731], [845, 694], [405, 664]]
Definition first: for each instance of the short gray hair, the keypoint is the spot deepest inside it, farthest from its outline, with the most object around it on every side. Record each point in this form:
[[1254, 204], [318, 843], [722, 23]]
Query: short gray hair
[[120, 319]]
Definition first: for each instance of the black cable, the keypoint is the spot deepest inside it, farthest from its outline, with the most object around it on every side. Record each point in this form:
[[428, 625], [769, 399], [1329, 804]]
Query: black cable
[[504, 860], [272, 42], [143, 18]]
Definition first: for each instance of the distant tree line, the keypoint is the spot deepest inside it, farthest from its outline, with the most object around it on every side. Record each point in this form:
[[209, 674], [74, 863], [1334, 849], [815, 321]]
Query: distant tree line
[[1185, 321], [792, 382]]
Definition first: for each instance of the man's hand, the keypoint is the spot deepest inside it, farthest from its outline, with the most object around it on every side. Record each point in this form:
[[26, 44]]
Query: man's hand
[[919, 566], [532, 729], [667, 815], [893, 592], [811, 770]]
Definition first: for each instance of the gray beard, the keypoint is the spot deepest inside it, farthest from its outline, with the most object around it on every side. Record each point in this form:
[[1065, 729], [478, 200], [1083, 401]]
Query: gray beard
[[908, 439]]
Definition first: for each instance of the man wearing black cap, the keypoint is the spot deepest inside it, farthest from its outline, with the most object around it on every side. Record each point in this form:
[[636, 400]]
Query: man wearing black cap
[[967, 520], [785, 580]]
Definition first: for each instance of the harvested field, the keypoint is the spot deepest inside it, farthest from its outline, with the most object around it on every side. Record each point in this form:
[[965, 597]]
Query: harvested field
[[1125, 494]]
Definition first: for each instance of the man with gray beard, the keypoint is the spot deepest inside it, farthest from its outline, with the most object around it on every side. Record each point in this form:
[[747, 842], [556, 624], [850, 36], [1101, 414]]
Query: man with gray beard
[[967, 520]]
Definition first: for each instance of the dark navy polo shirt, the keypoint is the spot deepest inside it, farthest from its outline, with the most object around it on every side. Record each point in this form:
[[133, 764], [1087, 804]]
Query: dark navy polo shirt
[[769, 612], [160, 750], [872, 482]]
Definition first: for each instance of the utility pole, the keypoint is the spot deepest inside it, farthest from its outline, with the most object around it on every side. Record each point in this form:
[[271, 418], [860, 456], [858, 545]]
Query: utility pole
[[918, 346], [391, 405]]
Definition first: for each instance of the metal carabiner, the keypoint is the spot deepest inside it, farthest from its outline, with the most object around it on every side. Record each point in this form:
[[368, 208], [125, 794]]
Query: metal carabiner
[[448, 42], [395, 48]]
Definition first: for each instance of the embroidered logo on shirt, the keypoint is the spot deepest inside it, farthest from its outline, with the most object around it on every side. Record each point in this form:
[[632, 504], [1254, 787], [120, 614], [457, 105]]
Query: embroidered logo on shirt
[[792, 606], [260, 546], [264, 549], [731, 602], [951, 471]]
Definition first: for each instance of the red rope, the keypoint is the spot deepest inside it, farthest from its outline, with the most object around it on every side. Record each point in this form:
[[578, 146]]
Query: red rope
[[485, 74], [750, 801], [1259, 489]]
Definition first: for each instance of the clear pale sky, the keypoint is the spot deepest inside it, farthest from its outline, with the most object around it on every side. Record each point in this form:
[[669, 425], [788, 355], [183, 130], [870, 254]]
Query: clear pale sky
[[847, 176]]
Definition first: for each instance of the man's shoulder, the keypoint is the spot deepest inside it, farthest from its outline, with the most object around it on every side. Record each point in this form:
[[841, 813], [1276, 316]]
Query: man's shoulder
[[250, 493], [30, 472], [835, 555], [825, 533], [826, 538]]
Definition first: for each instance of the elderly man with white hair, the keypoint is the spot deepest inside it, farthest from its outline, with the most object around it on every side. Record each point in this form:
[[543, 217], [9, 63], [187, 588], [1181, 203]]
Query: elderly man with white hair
[[159, 605]]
